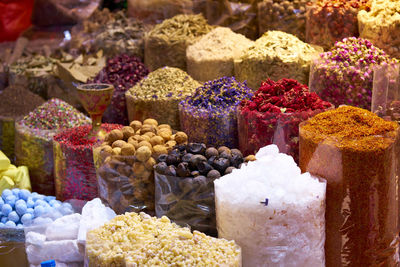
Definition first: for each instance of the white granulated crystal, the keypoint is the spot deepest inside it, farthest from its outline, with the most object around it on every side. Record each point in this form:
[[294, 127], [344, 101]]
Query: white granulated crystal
[[290, 229]]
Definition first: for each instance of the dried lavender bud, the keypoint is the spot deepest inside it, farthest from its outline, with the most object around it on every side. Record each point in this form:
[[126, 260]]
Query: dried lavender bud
[[211, 151]]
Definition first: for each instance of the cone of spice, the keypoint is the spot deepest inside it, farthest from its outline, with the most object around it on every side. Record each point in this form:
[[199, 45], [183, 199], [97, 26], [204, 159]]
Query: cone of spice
[[74, 170], [273, 115], [34, 140], [209, 114], [357, 153], [122, 72], [158, 95], [15, 102], [329, 21], [166, 43], [344, 75]]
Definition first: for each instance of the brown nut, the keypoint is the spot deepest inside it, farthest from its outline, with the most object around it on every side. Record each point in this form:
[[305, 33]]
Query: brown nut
[[161, 126], [146, 138], [128, 150], [150, 121], [146, 143], [222, 149], [143, 153], [133, 142], [128, 132], [165, 134], [148, 128], [114, 135], [149, 164], [160, 149], [156, 140], [118, 143], [170, 144], [116, 151], [250, 158], [105, 149], [136, 125], [181, 137], [150, 134]]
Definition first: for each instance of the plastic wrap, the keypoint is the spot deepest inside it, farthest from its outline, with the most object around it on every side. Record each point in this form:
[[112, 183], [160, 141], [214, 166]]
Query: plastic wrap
[[7, 136], [328, 23], [362, 185], [286, 16], [186, 201], [12, 248], [34, 149]]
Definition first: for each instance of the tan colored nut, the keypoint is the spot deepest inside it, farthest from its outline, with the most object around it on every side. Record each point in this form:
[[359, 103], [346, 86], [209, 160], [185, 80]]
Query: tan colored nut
[[148, 128], [143, 153], [138, 168], [170, 144], [136, 125], [162, 126], [165, 134], [156, 140], [145, 143], [107, 160], [128, 132], [150, 121], [118, 143], [250, 158], [138, 132], [160, 149], [150, 134], [128, 150], [146, 138], [181, 137], [106, 149], [133, 142], [116, 151], [114, 135], [149, 164], [105, 144]]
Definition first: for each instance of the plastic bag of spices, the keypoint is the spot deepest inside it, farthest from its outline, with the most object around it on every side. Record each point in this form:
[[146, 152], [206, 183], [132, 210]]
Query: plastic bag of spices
[[357, 153], [12, 247], [286, 16], [331, 21]]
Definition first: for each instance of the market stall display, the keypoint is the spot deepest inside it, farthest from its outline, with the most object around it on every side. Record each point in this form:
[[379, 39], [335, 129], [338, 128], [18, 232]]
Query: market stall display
[[344, 75], [158, 95], [166, 43], [15, 102], [357, 153], [212, 56], [330, 21], [12, 176], [209, 114], [34, 140], [273, 115], [287, 16], [124, 163], [275, 55], [184, 189], [156, 242], [381, 25], [273, 212]]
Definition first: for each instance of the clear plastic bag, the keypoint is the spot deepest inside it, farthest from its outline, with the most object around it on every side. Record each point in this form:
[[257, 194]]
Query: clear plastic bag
[[186, 201], [12, 248], [286, 16]]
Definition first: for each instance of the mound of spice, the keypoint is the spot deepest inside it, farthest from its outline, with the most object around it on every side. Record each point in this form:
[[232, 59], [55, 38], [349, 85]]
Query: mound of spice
[[184, 179], [166, 43], [275, 55], [74, 170], [209, 114], [124, 163], [34, 140], [286, 16], [330, 21], [155, 242], [381, 25], [158, 95], [15, 102], [357, 153], [212, 56], [122, 72], [273, 115], [344, 75]]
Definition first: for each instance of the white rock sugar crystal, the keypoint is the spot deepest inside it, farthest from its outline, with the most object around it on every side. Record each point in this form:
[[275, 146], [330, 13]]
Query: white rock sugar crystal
[[288, 228]]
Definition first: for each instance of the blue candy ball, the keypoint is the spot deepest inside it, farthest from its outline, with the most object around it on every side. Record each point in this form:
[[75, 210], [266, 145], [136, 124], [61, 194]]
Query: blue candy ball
[[4, 219], [11, 199], [39, 210], [10, 224], [38, 196], [30, 203], [6, 209], [40, 202], [6, 193], [26, 218], [24, 194], [30, 210], [15, 191], [1, 202], [19, 226], [1, 225], [13, 216], [20, 207], [49, 198]]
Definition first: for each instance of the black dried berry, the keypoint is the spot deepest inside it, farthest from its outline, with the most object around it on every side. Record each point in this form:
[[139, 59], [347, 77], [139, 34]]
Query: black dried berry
[[183, 169], [171, 170], [187, 157], [200, 181], [222, 149], [213, 174], [172, 160], [220, 164], [162, 158], [204, 167], [236, 152], [195, 159], [195, 173], [211, 160], [211, 152], [196, 148], [161, 167], [236, 160], [226, 154], [229, 170]]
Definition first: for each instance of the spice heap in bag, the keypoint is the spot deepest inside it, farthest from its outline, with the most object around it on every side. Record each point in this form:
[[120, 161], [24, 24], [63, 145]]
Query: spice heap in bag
[[124, 163], [357, 153], [156, 242], [212, 56], [15, 102], [381, 25], [287, 16], [330, 21], [344, 75], [122, 72], [275, 55], [184, 183], [74, 170], [158, 95], [166, 43], [275, 213], [34, 140], [209, 114], [273, 115]]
